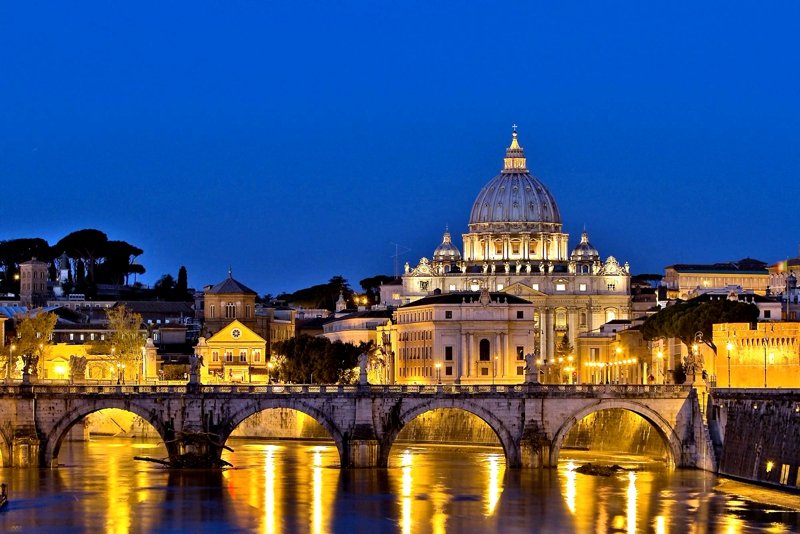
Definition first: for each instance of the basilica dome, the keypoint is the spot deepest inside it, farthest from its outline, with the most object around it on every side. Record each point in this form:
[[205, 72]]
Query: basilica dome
[[584, 251], [515, 199], [446, 251]]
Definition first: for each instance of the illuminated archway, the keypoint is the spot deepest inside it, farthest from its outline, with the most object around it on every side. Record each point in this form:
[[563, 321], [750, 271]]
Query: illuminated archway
[[504, 438], [669, 438], [63, 426]]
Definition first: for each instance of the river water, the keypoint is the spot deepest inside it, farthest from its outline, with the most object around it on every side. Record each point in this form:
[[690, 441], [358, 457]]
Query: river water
[[296, 486]]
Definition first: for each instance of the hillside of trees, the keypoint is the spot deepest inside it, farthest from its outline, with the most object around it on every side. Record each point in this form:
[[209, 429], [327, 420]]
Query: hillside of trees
[[92, 259]]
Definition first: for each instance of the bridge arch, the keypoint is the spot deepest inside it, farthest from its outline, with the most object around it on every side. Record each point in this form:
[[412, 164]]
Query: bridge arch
[[664, 429], [229, 424], [55, 435], [510, 446]]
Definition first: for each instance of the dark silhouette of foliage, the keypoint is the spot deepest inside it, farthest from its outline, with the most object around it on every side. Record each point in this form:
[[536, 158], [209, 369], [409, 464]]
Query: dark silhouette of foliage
[[309, 359], [321, 295], [684, 319], [16, 251], [372, 286], [88, 245]]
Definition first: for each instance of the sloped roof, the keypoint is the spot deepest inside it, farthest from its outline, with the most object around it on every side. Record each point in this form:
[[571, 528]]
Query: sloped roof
[[466, 297], [230, 286], [745, 265]]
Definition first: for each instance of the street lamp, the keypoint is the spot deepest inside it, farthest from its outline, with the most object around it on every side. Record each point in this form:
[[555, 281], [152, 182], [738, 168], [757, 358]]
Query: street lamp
[[729, 346], [765, 340], [438, 373], [118, 372], [10, 361], [269, 372]]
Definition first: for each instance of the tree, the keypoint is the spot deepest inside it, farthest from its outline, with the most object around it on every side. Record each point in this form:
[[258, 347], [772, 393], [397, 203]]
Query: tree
[[372, 286], [88, 244], [127, 341], [310, 359], [321, 295], [16, 251], [116, 262], [164, 288], [564, 348], [685, 319], [182, 286], [34, 331]]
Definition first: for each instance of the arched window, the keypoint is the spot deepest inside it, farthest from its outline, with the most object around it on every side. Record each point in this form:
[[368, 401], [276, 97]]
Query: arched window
[[484, 348], [611, 314], [561, 318], [230, 310]]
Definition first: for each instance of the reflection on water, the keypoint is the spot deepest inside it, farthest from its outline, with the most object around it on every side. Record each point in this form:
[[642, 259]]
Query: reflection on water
[[294, 486]]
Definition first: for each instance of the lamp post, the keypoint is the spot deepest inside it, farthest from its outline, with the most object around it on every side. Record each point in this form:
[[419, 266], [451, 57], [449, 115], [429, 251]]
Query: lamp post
[[10, 361], [269, 372], [119, 376], [729, 346], [438, 373], [764, 342]]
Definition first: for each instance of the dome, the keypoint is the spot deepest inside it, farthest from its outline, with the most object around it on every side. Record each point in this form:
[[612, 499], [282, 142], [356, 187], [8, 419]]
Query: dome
[[515, 197], [446, 252], [585, 251]]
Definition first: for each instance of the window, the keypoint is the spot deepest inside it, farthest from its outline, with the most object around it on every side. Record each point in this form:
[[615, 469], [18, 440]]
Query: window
[[72, 337], [612, 287], [582, 287], [247, 311], [535, 287], [520, 370], [452, 287], [561, 287], [448, 371], [500, 287], [498, 247], [230, 310], [215, 356], [228, 356], [583, 318], [484, 348], [484, 371], [767, 314], [211, 314], [520, 314], [594, 354], [520, 353], [448, 353], [448, 314], [256, 355], [243, 356], [102, 337]]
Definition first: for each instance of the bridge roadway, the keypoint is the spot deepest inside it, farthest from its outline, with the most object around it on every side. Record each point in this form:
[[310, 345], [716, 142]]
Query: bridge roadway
[[531, 421]]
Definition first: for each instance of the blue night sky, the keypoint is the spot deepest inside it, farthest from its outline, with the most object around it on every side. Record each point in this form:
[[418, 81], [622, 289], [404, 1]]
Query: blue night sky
[[297, 141]]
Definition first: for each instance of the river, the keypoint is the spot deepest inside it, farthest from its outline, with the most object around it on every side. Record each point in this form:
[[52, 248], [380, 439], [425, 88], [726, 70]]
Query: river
[[296, 486]]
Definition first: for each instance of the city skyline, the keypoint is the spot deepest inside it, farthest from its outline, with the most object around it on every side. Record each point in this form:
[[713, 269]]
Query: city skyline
[[294, 148]]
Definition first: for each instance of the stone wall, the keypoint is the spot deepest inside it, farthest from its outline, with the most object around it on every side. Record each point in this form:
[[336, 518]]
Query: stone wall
[[757, 433]]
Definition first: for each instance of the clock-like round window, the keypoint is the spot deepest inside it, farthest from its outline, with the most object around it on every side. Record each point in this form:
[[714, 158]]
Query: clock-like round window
[[236, 333]]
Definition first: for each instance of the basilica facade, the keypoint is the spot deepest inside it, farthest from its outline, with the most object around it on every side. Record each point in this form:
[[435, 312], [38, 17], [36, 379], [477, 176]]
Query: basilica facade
[[515, 244]]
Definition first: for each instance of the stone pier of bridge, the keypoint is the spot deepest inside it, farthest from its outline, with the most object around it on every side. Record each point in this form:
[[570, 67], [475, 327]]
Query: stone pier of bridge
[[531, 421]]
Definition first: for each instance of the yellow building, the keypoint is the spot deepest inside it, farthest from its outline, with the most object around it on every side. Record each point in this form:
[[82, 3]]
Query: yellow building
[[234, 354], [683, 280], [748, 357]]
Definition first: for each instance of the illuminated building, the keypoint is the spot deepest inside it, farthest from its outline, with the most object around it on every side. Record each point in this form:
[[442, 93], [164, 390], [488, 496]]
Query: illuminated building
[[748, 356], [516, 244], [684, 280], [234, 354], [33, 283], [462, 338], [226, 301]]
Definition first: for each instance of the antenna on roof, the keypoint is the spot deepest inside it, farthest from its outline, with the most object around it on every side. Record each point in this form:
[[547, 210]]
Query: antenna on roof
[[396, 256]]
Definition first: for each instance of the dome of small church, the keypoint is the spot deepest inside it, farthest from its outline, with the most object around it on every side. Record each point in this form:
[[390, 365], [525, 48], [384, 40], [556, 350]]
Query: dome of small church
[[585, 251], [447, 251], [515, 197]]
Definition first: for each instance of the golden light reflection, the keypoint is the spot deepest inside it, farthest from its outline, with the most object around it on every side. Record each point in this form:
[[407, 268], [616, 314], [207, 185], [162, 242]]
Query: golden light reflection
[[119, 510], [269, 490], [406, 492], [495, 489], [661, 524], [632, 502], [316, 505], [439, 499], [570, 490]]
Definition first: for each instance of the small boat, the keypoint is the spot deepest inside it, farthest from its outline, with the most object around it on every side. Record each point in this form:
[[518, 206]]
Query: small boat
[[3, 496]]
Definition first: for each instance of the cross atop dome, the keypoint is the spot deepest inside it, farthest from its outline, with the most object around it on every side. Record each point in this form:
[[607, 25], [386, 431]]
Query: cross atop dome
[[515, 155]]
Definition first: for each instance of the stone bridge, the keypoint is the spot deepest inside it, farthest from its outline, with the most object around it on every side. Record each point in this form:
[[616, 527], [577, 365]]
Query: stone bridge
[[531, 421]]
